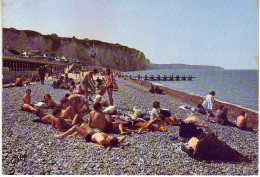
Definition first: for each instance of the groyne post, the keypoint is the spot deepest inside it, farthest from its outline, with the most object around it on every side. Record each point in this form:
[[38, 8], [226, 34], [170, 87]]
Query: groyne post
[[145, 77], [152, 77], [158, 77], [164, 77], [177, 77]]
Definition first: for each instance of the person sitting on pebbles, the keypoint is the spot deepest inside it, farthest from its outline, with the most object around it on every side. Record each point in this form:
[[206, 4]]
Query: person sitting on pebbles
[[79, 89], [151, 89], [89, 135], [27, 106], [99, 97], [97, 119], [49, 102]]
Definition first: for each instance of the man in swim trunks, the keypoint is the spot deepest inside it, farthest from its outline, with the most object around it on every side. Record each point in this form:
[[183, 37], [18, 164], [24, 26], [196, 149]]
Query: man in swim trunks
[[97, 119], [19, 81], [88, 82], [109, 86], [90, 135]]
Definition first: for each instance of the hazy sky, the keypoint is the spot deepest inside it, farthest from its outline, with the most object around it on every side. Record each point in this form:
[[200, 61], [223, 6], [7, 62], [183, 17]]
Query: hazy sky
[[205, 32]]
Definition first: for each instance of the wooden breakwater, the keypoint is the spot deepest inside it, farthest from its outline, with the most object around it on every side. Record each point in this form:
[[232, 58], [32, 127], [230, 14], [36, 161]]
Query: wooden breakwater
[[162, 78]]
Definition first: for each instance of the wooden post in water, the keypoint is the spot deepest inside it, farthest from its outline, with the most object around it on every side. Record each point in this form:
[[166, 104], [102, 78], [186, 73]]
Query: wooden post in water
[[164, 77], [159, 78], [171, 78], [138, 76], [145, 77], [177, 77], [183, 78], [152, 77]]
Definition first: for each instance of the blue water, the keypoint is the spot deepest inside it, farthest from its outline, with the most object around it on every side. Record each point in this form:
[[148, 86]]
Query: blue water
[[238, 87]]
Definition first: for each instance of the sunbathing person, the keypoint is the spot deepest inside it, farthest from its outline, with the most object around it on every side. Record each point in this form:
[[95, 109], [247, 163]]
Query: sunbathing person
[[97, 119], [79, 89], [155, 114], [217, 113], [158, 90], [99, 97], [88, 134], [49, 102], [223, 120], [207, 147], [27, 106], [60, 119]]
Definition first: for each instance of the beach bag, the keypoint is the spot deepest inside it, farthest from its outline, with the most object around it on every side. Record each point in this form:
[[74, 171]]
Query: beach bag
[[110, 110], [165, 112], [137, 113]]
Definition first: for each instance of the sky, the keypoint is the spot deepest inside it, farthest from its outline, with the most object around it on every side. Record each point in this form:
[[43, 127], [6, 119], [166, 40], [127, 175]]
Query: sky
[[221, 33]]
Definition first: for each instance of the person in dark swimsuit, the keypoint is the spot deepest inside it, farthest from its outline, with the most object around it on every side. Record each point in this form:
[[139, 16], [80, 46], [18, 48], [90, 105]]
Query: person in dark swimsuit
[[89, 135]]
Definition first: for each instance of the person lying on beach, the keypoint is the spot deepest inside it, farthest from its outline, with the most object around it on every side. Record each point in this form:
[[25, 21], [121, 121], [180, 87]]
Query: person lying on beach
[[207, 147], [60, 119], [49, 102], [60, 83], [98, 98], [217, 113], [89, 135], [27, 106], [97, 119], [208, 103], [88, 82], [151, 89], [20, 81], [188, 127]]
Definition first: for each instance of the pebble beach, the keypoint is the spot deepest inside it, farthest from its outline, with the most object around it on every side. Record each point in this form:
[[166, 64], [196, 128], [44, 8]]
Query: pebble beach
[[29, 148]]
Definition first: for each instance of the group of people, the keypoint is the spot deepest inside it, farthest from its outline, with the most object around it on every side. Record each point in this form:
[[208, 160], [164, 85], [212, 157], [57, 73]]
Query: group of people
[[155, 89], [68, 117], [220, 116]]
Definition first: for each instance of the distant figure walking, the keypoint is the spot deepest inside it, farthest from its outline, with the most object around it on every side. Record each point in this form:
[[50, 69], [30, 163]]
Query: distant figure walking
[[42, 72], [208, 103]]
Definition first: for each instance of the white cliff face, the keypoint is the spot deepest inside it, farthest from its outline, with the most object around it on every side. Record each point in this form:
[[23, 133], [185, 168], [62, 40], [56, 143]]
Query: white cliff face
[[114, 56]]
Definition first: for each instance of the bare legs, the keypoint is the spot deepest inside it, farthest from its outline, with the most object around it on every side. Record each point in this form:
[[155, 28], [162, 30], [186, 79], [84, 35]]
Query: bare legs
[[208, 114], [110, 96], [27, 107], [74, 129]]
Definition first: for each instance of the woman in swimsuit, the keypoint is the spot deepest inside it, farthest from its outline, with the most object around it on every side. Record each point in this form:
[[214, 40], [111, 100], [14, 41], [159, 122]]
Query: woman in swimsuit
[[89, 135], [49, 102], [109, 86]]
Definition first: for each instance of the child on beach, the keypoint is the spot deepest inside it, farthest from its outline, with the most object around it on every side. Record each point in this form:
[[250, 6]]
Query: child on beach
[[27, 106], [99, 97], [217, 113], [79, 89], [208, 103]]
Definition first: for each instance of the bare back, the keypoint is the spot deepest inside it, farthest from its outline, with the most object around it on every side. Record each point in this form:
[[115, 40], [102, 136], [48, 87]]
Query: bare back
[[241, 120], [87, 76], [97, 119]]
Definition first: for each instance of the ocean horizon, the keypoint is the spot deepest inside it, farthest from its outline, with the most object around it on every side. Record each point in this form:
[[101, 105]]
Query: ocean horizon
[[236, 87]]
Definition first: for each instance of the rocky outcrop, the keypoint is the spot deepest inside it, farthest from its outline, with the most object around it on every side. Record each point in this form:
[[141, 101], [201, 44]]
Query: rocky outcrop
[[99, 53]]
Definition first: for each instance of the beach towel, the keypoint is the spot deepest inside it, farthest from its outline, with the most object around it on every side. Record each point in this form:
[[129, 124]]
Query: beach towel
[[41, 105], [110, 110]]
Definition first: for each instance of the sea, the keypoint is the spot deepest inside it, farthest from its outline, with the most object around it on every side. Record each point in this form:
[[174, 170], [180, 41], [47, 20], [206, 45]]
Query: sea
[[237, 87]]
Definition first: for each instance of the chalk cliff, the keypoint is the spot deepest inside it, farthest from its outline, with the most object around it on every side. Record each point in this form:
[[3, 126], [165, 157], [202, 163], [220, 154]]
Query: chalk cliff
[[115, 56]]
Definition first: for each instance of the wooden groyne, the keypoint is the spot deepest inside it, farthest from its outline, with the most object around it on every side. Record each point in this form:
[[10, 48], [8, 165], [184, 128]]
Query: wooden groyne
[[162, 78]]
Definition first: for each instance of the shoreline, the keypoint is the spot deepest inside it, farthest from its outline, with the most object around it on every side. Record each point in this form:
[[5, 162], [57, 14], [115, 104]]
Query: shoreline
[[233, 110]]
